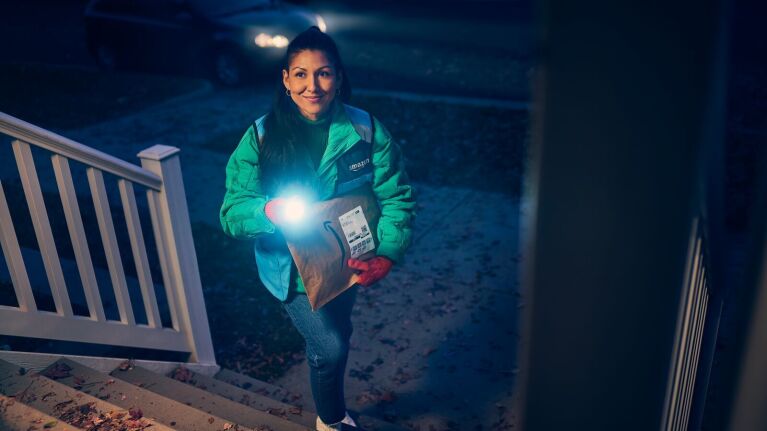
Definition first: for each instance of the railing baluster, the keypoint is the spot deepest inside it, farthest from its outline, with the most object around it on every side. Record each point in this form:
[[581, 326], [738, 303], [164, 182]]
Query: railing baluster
[[688, 372], [42, 226], [139, 253], [181, 258], [77, 234], [689, 291], [162, 253], [12, 252], [697, 338], [111, 248]]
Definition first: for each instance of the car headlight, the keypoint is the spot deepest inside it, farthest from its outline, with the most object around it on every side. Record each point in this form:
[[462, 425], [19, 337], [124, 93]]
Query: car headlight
[[321, 24], [264, 40]]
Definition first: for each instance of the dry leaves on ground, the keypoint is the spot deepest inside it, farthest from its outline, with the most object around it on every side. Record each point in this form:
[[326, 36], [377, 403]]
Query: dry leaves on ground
[[183, 374], [57, 371], [86, 416]]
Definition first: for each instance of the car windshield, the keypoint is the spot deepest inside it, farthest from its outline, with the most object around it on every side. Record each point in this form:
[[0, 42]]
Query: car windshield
[[228, 7]]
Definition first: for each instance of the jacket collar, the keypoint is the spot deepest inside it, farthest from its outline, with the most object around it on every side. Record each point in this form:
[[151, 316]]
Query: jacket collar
[[341, 137]]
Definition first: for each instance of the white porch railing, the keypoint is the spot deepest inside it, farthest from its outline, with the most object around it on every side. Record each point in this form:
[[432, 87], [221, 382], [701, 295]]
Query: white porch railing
[[161, 175]]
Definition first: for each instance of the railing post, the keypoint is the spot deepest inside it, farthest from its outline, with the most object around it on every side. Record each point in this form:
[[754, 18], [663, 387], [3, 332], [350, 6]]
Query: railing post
[[181, 259]]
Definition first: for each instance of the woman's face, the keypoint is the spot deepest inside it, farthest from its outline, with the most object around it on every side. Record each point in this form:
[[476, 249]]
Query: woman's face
[[312, 80]]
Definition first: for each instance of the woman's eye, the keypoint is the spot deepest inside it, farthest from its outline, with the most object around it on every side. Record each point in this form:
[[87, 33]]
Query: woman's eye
[[300, 75], [325, 73]]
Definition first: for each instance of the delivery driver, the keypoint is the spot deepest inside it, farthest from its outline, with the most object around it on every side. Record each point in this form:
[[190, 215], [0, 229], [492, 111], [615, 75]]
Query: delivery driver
[[310, 140]]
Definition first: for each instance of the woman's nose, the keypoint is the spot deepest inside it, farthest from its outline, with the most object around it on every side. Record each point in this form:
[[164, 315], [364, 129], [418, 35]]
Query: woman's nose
[[311, 85]]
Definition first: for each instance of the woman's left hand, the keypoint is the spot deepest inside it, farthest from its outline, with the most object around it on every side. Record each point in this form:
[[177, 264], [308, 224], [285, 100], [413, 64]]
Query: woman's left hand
[[372, 270]]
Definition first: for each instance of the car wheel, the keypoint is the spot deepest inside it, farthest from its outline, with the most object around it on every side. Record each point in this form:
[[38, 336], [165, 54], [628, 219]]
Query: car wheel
[[106, 56], [229, 69]]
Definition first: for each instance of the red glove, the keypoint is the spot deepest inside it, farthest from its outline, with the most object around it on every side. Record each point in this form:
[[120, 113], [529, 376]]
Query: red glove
[[372, 270], [275, 210], [283, 211]]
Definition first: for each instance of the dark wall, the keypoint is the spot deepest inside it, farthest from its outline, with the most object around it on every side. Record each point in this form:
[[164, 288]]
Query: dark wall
[[627, 98]]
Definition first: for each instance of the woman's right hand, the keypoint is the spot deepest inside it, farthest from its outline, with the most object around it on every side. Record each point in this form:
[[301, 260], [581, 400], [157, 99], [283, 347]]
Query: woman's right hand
[[275, 210], [284, 211]]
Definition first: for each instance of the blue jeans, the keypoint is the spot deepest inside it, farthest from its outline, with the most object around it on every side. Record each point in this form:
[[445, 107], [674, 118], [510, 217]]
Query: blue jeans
[[326, 332]]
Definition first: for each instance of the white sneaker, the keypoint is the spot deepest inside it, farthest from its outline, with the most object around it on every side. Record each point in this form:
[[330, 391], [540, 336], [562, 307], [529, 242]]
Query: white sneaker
[[322, 426]]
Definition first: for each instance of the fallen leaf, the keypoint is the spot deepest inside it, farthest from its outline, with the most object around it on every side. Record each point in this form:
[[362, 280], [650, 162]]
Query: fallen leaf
[[78, 382], [62, 404], [182, 374], [135, 413], [429, 351], [388, 397], [126, 365], [58, 371]]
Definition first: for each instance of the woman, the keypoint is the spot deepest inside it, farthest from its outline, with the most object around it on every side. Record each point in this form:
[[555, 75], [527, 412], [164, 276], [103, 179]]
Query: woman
[[312, 141]]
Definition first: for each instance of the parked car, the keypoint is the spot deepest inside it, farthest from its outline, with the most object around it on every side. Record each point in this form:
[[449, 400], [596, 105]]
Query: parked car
[[225, 39]]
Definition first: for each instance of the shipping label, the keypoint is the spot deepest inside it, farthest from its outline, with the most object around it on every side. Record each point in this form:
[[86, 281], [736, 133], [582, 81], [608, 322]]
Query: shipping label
[[357, 232]]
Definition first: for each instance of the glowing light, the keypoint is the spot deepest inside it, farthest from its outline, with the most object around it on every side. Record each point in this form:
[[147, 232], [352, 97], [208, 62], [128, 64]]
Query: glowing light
[[263, 40], [280, 41], [321, 24], [295, 209], [266, 41]]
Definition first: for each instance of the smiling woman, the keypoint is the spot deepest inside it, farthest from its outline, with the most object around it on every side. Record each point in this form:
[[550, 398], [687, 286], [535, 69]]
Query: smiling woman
[[312, 83], [312, 142]]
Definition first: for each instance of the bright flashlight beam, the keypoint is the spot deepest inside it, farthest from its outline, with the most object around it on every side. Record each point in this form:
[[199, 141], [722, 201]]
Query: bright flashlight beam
[[295, 209]]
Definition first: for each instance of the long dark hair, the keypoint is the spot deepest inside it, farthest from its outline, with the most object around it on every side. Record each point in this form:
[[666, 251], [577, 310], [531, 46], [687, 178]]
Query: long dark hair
[[281, 155]]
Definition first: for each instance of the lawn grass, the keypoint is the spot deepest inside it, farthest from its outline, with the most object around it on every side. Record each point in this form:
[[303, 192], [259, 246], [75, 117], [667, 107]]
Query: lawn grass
[[456, 145], [66, 97], [251, 332]]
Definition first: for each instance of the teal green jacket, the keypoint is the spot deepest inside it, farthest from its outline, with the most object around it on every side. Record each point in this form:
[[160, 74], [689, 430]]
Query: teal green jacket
[[242, 212]]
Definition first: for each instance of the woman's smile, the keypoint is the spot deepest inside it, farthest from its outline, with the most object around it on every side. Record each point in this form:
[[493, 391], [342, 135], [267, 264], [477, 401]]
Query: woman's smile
[[313, 98]]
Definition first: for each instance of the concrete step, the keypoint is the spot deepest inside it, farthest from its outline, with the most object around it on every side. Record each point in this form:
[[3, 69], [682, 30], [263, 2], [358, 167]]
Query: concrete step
[[253, 400], [15, 416], [256, 386], [67, 404], [241, 381], [126, 395], [210, 402]]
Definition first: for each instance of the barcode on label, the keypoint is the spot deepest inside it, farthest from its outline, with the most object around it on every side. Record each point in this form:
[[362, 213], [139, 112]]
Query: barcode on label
[[357, 232]]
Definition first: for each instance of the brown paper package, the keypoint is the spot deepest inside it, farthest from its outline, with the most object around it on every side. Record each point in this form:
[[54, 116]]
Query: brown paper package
[[320, 249]]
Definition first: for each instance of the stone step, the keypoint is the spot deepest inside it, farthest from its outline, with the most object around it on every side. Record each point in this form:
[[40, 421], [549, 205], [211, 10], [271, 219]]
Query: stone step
[[67, 404], [210, 402], [253, 400], [15, 416], [256, 386], [232, 378], [167, 411]]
